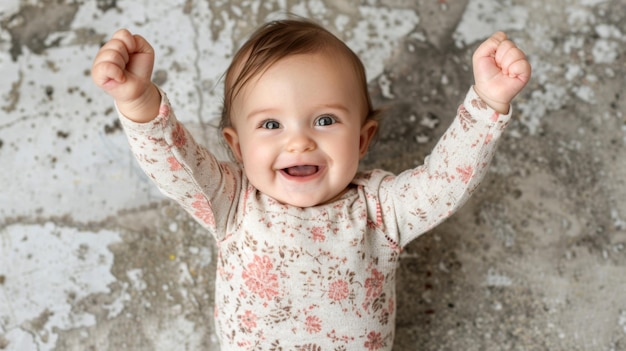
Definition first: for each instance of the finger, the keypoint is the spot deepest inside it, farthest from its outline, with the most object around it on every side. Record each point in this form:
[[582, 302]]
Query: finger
[[521, 70], [142, 60], [134, 43], [125, 37], [503, 51], [104, 73], [512, 54], [111, 55], [141, 45], [114, 56], [111, 48], [488, 47]]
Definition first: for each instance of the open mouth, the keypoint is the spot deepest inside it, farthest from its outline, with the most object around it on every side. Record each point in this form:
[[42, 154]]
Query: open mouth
[[301, 171]]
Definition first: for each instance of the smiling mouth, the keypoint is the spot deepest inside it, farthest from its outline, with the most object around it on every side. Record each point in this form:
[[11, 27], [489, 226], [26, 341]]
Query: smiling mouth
[[301, 171]]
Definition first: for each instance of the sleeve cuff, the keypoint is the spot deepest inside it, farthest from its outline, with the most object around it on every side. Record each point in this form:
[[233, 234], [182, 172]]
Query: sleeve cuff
[[479, 109], [160, 119]]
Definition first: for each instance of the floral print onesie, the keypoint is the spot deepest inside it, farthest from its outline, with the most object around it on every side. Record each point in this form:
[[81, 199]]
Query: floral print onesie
[[318, 278]]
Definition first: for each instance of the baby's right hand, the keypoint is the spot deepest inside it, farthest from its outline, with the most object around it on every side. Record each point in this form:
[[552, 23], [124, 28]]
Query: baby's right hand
[[123, 68]]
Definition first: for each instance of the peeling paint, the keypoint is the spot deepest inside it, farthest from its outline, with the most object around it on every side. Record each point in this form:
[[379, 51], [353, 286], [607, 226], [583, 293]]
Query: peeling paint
[[30, 26], [43, 263]]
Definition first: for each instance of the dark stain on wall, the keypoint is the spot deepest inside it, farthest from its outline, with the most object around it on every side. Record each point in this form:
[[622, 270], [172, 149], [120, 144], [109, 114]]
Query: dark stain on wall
[[32, 25]]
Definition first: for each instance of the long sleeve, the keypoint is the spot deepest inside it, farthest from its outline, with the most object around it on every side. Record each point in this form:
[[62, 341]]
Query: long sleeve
[[184, 170], [419, 199]]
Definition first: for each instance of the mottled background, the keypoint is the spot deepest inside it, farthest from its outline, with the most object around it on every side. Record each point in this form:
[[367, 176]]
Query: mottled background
[[92, 257]]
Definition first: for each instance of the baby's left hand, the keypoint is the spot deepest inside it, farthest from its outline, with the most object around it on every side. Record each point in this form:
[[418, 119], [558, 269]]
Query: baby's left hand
[[501, 71]]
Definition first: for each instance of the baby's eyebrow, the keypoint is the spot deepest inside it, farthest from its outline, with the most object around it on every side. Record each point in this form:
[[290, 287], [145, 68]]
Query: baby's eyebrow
[[272, 110], [336, 106], [268, 110]]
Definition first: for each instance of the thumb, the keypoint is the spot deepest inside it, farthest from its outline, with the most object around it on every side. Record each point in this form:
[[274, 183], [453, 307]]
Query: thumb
[[141, 58]]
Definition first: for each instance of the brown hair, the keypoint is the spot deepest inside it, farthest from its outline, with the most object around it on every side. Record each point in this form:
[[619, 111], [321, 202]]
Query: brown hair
[[279, 39]]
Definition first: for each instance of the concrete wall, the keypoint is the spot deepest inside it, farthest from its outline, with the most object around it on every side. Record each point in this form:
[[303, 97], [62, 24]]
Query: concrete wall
[[92, 257]]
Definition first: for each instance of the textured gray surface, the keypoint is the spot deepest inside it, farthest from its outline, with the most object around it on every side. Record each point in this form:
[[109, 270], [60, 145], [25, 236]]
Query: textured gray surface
[[92, 257]]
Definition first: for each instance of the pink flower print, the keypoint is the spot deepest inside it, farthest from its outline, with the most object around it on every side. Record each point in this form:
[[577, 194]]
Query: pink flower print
[[338, 290], [488, 138], [479, 104], [164, 110], [318, 234], [465, 173], [466, 119], [260, 279], [374, 284], [203, 212], [178, 136], [244, 344], [174, 164], [379, 218], [248, 320], [374, 341], [495, 117], [313, 324]]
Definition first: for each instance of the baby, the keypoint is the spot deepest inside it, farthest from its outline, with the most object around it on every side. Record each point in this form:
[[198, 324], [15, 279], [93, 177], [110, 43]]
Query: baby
[[308, 247]]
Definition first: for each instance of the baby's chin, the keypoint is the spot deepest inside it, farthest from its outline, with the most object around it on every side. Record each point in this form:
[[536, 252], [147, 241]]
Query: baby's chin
[[306, 193]]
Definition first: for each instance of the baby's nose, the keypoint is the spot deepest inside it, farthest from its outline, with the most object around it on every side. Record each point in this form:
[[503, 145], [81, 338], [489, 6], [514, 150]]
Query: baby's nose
[[300, 142]]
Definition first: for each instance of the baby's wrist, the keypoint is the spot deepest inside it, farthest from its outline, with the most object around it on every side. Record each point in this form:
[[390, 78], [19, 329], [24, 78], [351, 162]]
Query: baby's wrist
[[500, 107], [143, 109]]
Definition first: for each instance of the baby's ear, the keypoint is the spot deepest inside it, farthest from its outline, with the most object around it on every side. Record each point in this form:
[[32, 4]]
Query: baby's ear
[[232, 138], [368, 130]]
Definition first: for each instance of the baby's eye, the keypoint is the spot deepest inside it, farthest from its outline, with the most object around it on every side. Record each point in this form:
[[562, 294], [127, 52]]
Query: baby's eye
[[270, 124], [325, 120]]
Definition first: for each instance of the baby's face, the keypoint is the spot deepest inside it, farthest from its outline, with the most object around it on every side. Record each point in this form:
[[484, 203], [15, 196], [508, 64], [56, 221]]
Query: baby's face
[[299, 129]]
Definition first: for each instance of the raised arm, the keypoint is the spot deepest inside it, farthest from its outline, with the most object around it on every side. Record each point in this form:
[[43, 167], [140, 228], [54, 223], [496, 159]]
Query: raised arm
[[123, 69], [419, 199], [181, 168]]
